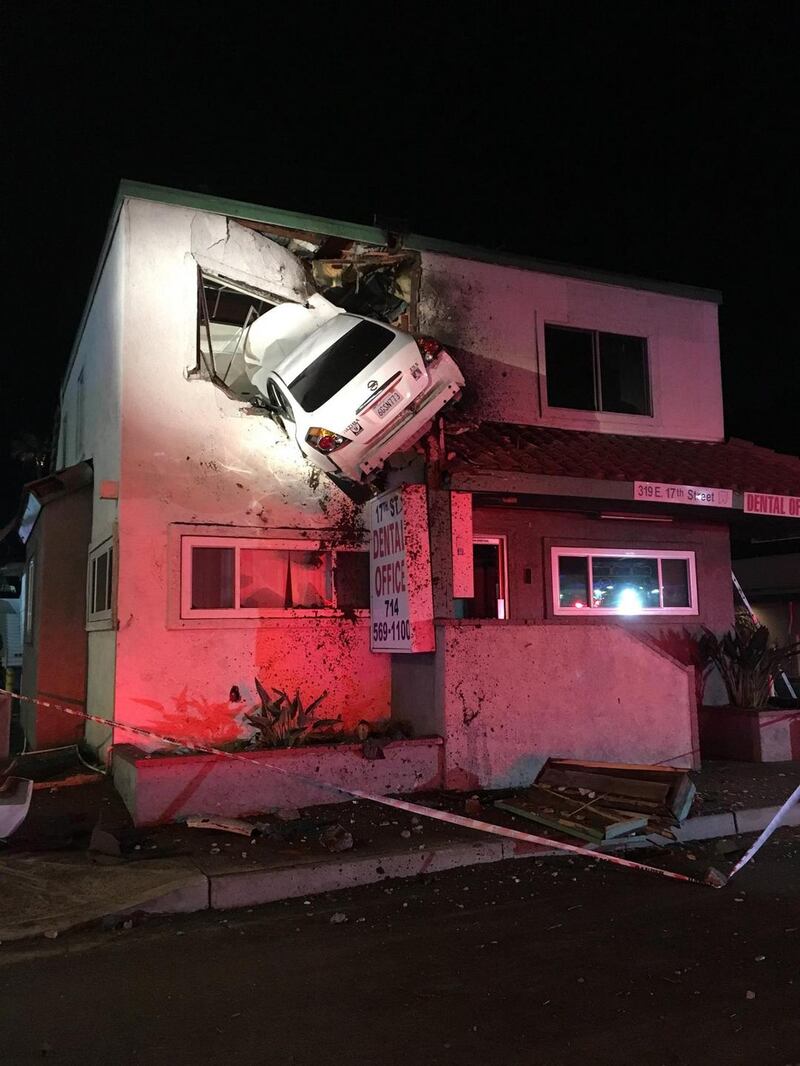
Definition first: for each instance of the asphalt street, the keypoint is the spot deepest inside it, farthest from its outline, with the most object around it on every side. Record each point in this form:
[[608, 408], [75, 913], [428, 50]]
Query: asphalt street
[[552, 963]]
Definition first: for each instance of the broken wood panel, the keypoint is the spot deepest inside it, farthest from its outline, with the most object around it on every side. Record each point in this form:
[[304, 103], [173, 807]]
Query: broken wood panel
[[655, 792], [552, 821], [622, 769], [681, 790], [572, 802], [682, 797], [588, 829]]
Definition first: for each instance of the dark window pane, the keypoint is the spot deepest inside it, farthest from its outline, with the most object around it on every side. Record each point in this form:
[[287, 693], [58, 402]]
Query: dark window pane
[[623, 374], [573, 581], [624, 584], [100, 582], [486, 577], [570, 368], [675, 575], [352, 580], [340, 363], [232, 308], [212, 578], [309, 579]]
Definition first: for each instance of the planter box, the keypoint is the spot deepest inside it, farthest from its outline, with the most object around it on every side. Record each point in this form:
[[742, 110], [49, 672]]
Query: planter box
[[159, 788], [749, 735]]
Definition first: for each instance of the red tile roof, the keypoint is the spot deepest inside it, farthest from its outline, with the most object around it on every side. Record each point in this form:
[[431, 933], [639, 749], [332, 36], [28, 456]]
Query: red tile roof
[[734, 464]]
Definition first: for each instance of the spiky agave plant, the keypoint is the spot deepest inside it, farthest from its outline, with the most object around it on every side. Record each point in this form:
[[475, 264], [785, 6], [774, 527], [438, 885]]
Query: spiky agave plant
[[285, 723], [746, 661]]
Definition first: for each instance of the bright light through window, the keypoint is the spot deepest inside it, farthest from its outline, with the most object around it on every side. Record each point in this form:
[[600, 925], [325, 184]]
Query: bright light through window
[[636, 582]]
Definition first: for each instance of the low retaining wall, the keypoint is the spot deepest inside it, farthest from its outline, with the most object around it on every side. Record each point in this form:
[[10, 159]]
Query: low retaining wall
[[159, 788], [749, 735]]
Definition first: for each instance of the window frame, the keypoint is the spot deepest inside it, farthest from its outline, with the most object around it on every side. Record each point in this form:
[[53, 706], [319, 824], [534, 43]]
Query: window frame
[[557, 552], [597, 382], [501, 540], [205, 362], [30, 600], [187, 613], [104, 618]]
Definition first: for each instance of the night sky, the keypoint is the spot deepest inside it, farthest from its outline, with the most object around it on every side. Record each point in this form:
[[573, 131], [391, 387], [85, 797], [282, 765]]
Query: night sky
[[651, 139]]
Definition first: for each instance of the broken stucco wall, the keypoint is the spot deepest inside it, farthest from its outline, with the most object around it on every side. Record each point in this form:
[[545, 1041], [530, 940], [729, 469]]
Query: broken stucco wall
[[492, 319], [192, 454], [377, 281], [226, 249]]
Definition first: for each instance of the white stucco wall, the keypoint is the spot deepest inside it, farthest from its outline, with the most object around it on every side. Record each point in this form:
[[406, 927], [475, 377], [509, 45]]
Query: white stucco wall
[[90, 429], [495, 317], [190, 454]]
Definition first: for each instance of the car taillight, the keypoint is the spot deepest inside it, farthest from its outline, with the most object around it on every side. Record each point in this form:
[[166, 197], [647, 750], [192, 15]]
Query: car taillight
[[429, 348], [325, 440]]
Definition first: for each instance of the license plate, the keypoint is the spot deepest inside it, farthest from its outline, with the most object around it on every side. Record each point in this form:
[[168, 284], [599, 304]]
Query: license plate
[[387, 403]]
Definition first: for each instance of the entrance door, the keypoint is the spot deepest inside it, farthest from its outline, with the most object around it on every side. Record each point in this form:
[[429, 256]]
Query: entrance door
[[489, 566]]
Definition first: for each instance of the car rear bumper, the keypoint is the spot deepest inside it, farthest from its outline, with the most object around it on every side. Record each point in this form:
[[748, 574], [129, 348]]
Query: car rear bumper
[[406, 430]]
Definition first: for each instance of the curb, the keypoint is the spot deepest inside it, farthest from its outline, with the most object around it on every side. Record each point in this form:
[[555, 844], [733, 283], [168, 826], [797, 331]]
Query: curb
[[250, 888]]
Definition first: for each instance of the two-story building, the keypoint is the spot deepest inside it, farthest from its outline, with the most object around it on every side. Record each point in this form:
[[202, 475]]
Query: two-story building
[[579, 499]]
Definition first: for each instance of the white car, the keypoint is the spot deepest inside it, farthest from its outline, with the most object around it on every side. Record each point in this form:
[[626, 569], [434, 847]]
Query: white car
[[352, 390]]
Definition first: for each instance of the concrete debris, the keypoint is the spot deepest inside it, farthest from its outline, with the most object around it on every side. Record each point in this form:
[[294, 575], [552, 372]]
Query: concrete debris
[[338, 918], [372, 748], [715, 878], [104, 842], [287, 814], [336, 838]]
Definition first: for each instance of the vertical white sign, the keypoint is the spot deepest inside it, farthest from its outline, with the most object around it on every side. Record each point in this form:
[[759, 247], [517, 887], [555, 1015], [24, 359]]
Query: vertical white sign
[[401, 599]]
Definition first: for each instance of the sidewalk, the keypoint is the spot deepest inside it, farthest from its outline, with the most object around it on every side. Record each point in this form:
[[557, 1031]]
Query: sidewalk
[[51, 884]]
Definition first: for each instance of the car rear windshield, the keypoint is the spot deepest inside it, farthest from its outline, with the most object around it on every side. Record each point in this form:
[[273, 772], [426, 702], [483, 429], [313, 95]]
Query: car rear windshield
[[340, 363]]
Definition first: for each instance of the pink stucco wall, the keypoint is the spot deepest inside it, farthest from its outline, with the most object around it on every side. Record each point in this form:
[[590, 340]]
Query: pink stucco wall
[[508, 696], [494, 318]]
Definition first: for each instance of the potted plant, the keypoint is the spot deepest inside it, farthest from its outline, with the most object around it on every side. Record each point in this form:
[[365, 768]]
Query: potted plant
[[747, 727]]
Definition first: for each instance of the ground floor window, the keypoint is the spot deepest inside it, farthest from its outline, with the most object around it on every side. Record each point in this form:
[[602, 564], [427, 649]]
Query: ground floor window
[[623, 582], [223, 577]]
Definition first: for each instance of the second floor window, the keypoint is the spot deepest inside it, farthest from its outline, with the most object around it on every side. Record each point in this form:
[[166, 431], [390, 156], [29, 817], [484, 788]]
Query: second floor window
[[592, 371]]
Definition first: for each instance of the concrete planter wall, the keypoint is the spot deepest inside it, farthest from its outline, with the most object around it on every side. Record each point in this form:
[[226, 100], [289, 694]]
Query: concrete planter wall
[[159, 788], [749, 734]]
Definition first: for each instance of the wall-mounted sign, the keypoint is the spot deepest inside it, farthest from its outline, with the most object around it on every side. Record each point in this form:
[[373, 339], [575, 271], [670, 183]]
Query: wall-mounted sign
[[658, 492], [767, 503], [401, 598]]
